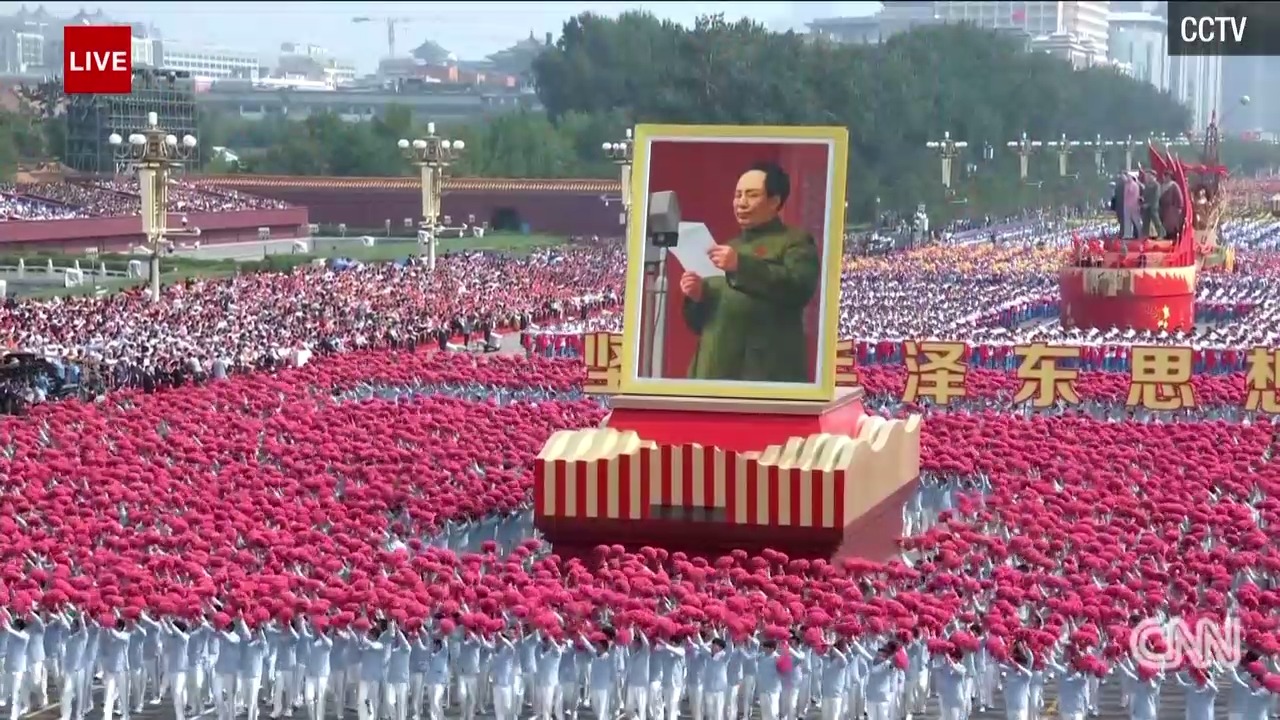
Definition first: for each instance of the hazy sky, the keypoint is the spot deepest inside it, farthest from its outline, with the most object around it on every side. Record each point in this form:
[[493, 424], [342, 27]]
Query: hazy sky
[[469, 29]]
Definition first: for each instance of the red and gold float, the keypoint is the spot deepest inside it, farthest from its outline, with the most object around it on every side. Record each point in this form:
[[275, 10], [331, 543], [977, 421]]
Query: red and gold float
[[1145, 283], [720, 462]]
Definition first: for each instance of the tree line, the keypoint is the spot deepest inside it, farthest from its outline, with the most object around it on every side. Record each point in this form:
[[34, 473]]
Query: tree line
[[605, 74]]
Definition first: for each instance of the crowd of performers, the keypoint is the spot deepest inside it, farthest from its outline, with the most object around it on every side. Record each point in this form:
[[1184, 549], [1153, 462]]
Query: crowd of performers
[[457, 663], [999, 601], [379, 669]]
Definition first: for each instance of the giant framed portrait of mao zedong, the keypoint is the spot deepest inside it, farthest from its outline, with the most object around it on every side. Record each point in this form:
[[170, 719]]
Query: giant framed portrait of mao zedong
[[733, 261]]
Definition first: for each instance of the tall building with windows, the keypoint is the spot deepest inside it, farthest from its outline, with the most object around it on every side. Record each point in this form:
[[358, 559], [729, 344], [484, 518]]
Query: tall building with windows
[[31, 41], [1139, 43], [312, 62], [1088, 21], [208, 62], [894, 18], [1077, 31], [1196, 82]]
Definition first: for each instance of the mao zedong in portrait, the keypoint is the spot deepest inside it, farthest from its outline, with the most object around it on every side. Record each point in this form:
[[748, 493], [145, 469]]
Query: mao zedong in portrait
[[750, 322]]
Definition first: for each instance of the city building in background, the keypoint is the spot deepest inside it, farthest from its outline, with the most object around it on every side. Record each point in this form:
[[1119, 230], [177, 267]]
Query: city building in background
[[1196, 82], [27, 44], [893, 19], [92, 118], [1139, 45], [1076, 31], [145, 51], [208, 62], [1160, 9], [426, 101], [304, 61], [1069, 47], [1087, 20], [31, 41]]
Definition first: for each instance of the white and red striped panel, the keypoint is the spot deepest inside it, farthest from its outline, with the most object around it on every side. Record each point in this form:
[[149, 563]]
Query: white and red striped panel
[[627, 486]]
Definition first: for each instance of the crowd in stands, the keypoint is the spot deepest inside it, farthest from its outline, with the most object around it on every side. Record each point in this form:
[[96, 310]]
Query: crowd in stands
[[17, 207], [113, 198], [354, 530], [192, 197], [930, 294], [216, 327]]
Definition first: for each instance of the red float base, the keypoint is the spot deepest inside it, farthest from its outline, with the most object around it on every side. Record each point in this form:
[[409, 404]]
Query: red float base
[[872, 536], [1139, 313], [870, 531], [738, 425], [1142, 299]]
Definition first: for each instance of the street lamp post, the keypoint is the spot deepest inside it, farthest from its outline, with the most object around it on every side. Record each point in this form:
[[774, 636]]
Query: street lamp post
[[1129, 145], [152, 153], [1063, 146], [622, 154], [1100, 148], [1024, 146], [432, 155], [948, 150]]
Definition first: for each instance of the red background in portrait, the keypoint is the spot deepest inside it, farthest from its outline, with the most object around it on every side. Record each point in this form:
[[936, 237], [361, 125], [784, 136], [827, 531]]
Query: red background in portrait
[[703, 175]]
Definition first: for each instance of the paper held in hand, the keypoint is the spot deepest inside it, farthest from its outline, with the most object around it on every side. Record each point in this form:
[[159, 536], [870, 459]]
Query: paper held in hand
[[691, 250]]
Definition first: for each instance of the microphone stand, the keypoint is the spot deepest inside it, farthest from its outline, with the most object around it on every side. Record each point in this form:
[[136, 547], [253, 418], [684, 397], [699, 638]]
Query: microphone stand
[[655, 315]]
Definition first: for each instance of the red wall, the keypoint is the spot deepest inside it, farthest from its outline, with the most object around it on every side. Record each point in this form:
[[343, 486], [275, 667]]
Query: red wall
[[124, 233], [704, 176]]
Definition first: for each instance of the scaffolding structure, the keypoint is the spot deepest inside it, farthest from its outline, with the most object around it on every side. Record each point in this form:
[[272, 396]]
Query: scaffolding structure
[[170, 94]]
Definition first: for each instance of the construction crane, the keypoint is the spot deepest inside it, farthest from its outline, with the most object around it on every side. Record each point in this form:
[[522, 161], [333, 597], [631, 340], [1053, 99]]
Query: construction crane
[[391, 22]]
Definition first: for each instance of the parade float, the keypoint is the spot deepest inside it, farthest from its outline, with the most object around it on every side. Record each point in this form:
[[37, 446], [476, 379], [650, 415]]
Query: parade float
[[688, 467], [1150, 283]]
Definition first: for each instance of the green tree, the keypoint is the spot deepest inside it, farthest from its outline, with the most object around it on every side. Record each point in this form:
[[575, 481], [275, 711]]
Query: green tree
[[8, 148], [895, 97], [40, 126], [523, 144], [605, 74]]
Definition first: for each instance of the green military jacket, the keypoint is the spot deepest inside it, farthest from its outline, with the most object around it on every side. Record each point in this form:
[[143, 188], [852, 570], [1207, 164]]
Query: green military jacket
[[750, 323]]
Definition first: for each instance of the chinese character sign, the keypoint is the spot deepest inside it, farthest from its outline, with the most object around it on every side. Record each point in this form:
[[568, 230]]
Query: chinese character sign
[[1260, 381], [1042, 381], [940, 377], [1160, 378], [1047, 375]]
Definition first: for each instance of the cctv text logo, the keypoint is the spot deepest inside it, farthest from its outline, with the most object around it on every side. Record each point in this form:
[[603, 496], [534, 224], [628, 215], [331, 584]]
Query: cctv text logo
[[97, 59], [1224, 28], [1202, 645], [1213, 29]]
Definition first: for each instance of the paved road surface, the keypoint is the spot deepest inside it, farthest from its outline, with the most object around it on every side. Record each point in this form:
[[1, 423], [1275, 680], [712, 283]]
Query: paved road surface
[[1172, 707]]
